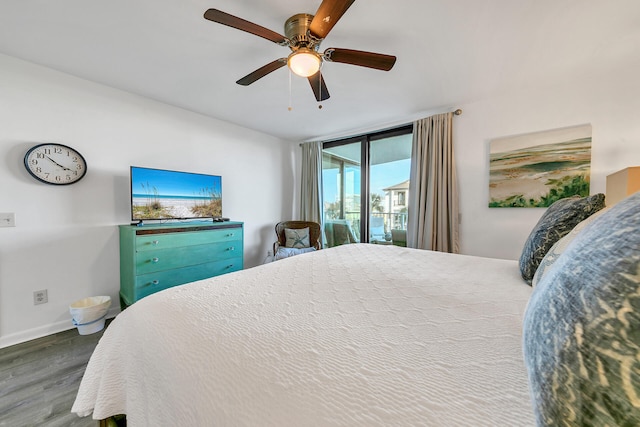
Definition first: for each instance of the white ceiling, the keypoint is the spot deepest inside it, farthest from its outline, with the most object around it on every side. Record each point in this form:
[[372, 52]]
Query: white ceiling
[[450, 52]]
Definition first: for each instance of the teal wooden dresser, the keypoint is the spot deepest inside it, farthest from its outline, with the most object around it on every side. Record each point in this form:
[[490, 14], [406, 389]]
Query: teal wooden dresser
[[157, 257]]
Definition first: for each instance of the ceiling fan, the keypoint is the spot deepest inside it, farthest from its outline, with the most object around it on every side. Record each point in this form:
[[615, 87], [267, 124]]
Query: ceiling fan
[[303, 35]]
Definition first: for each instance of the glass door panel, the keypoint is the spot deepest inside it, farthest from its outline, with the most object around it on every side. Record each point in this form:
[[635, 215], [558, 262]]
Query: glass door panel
[[341, 182], [389, 167]]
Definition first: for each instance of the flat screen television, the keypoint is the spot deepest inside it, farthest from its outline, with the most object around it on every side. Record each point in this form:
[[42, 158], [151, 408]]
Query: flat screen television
[[160, 194]]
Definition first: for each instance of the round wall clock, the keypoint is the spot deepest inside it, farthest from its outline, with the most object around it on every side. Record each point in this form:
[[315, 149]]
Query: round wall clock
[[55, 164]]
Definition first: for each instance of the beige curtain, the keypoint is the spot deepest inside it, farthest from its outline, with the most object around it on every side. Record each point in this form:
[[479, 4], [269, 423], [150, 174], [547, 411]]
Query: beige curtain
[[311, 182], [433, 208]]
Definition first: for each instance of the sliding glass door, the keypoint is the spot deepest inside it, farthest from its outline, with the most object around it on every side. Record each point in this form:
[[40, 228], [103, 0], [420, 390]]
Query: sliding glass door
[[376, 165]]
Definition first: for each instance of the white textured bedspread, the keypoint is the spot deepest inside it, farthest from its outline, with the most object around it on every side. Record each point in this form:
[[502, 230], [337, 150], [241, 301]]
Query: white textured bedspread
[[358, 335]]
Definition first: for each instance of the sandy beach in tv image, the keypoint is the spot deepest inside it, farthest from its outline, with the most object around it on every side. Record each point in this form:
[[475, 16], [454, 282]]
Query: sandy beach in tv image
[[170, 207], [535, 170], [161, 194]]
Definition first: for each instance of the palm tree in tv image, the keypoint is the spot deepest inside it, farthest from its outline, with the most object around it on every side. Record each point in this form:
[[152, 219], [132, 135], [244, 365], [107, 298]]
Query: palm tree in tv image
[[211, 206], [153, 207]]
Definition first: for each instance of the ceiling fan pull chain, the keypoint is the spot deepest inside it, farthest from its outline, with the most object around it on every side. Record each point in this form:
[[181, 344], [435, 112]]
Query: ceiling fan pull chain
[[320, 91]]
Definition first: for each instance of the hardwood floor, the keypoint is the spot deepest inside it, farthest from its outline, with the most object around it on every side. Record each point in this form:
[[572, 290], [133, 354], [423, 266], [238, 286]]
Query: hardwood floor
[[39, 380]]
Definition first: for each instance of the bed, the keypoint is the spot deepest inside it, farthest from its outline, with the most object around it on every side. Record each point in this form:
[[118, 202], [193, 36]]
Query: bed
[[357, 335], [382, 335]]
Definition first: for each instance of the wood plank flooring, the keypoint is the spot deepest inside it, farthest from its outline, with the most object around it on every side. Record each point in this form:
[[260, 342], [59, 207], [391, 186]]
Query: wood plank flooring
[[39, 380]]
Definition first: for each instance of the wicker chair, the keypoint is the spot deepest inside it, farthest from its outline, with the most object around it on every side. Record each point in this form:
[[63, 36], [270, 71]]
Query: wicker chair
[[314, 233]]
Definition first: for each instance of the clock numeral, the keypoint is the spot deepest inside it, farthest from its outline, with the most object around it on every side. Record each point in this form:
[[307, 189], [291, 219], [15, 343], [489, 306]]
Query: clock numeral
[[39, 155], [38, 169], [57, 150]]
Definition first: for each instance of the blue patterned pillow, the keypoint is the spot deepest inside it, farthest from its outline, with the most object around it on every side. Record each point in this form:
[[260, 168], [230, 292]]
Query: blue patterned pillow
[[557, 221], [283, 252], [297, 237], [581, 330]]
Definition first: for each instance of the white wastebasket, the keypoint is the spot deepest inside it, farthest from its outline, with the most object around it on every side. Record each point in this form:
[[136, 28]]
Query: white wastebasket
[[88, 314]]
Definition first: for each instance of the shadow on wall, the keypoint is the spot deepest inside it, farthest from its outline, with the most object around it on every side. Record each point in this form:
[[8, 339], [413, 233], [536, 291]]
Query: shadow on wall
[[258, 253]]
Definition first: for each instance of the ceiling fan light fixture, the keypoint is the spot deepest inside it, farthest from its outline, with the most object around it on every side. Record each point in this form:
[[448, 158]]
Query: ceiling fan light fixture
[[304, 62]]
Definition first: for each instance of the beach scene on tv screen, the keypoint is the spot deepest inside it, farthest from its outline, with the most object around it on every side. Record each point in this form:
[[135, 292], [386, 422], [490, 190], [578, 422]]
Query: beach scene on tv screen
[[162, 194]]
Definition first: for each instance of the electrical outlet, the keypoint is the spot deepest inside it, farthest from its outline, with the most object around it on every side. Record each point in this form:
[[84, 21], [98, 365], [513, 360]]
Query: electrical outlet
[[7, 219], [40, 297]]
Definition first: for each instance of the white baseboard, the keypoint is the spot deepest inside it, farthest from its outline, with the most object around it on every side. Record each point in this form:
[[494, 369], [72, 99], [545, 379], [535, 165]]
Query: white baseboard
[[43, 331]]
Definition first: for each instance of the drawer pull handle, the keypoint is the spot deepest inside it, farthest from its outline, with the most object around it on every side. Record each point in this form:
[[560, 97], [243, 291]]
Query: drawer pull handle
[[155, 242], [231, 248], [155, 259], [229, 266], [230, 235], [155, 282]]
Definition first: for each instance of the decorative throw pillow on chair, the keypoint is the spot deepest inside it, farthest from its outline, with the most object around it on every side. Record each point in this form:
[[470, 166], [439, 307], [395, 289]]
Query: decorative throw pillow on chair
[[297, 237]]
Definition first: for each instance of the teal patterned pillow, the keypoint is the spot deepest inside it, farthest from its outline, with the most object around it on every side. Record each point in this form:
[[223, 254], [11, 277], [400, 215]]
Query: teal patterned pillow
[[297, 237], [581, 330], [557, 221]]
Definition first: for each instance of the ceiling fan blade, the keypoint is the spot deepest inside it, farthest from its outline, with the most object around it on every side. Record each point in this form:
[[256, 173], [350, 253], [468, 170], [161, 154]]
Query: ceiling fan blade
[[378, 61], [329, 12], [262, 71], [224, 18], [318, 86]]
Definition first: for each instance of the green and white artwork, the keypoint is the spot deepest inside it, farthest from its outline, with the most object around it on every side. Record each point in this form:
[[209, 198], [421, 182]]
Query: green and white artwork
[[535, 170]]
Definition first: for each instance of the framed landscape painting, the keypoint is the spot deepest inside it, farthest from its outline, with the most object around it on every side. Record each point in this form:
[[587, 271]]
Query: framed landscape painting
[[535, 170]]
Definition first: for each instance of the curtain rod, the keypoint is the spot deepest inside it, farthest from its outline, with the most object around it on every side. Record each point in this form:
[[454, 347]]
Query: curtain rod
[[457, 112]]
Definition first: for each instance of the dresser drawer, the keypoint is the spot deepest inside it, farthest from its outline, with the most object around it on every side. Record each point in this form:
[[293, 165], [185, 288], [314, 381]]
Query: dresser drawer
[[151, 242], [148, 284], [166, 259]]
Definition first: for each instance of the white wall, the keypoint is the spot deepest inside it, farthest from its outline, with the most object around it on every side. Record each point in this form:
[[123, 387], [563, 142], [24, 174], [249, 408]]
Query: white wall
[[607, 98], [65, 239]]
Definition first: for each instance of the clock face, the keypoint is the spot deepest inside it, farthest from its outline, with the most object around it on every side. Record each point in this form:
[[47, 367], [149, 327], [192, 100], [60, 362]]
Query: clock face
[[55, 164]]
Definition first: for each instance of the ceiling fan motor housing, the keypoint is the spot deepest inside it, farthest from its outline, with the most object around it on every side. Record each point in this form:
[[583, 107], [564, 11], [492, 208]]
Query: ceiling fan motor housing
[[296, 30]]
